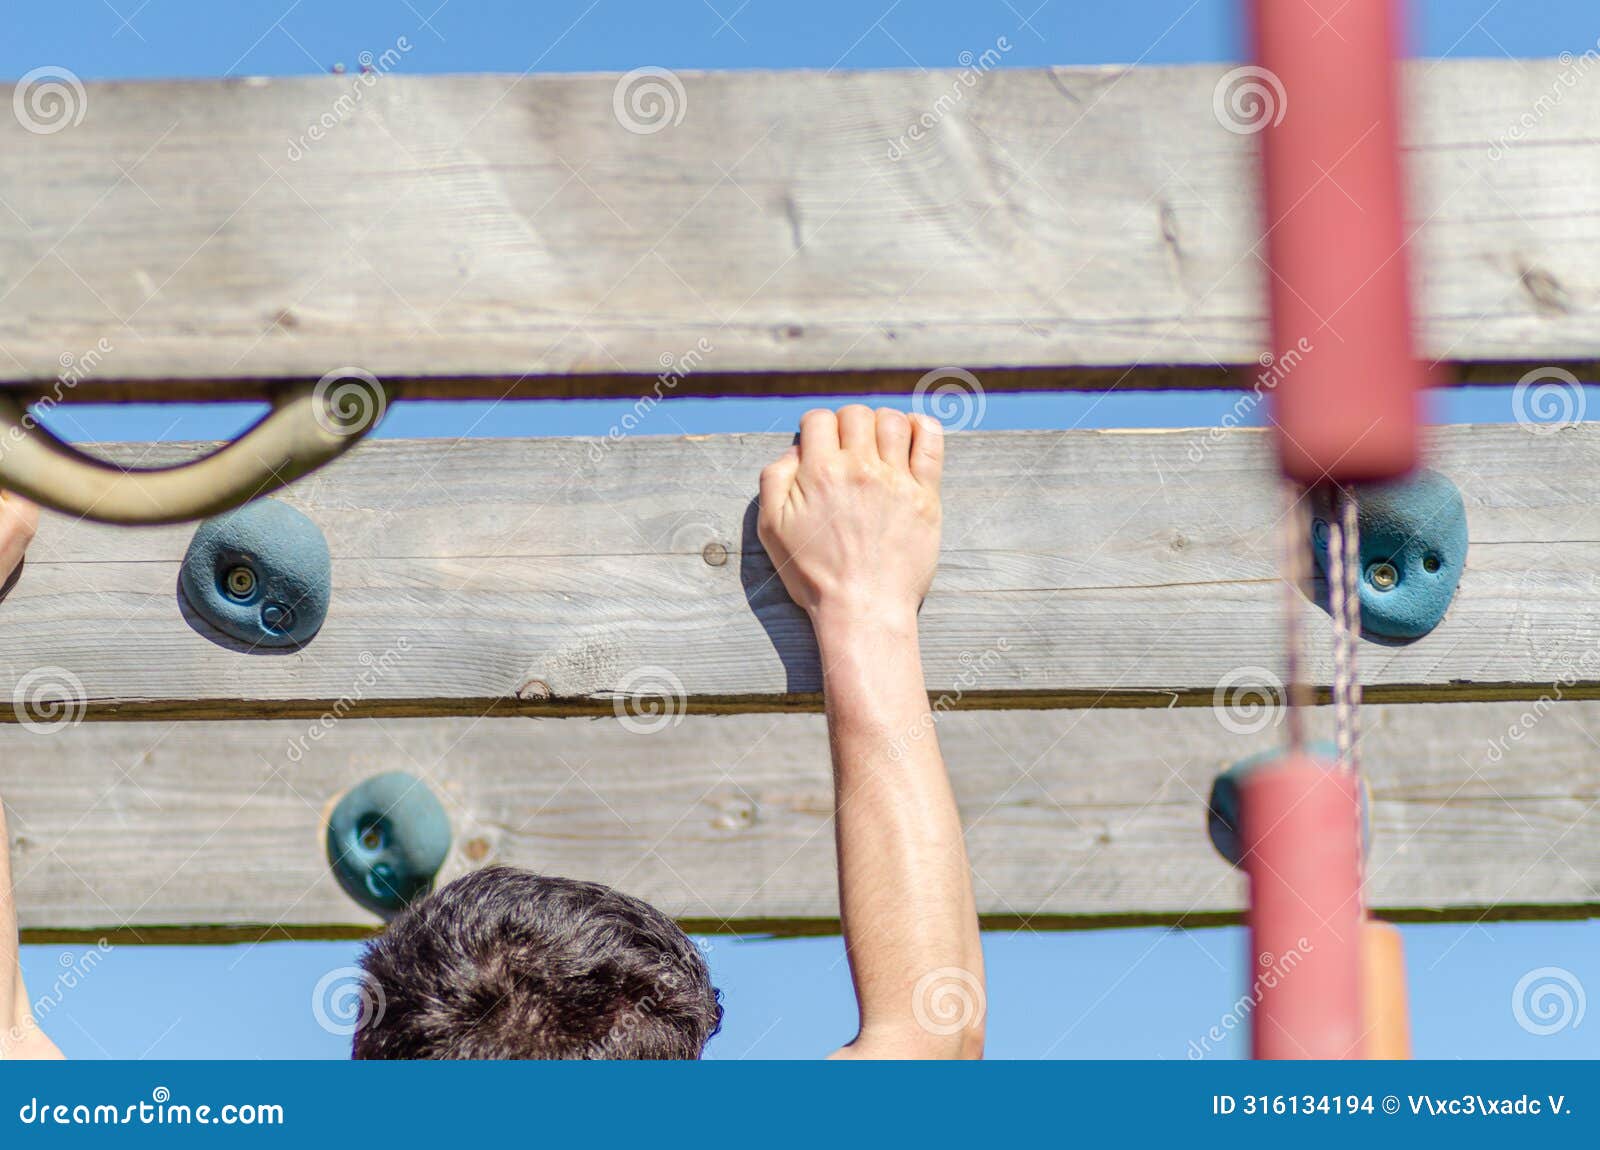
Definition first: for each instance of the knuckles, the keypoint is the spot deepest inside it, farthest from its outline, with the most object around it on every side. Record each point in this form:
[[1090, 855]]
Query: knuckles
[[898, 420]]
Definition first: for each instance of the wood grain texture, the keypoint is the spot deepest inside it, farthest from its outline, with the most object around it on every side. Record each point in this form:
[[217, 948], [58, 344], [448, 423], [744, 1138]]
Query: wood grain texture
[[489, 235], [562, 576], [1074, 818]]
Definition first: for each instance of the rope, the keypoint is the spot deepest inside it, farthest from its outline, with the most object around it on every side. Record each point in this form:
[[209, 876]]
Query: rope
[[1296, 574], [1350, 637], [1344, 603], [1343, 596]]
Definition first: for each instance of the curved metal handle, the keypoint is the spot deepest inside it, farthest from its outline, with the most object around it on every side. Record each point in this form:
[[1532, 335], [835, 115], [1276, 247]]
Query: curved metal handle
[[308, 426]]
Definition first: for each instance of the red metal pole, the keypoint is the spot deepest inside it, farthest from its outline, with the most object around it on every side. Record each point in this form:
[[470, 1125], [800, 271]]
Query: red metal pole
[[1299, 823], [1349, 411]]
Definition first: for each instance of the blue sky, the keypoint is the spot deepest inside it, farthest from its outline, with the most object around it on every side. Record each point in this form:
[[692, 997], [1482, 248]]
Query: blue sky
[[1127, 993], [279, 37]]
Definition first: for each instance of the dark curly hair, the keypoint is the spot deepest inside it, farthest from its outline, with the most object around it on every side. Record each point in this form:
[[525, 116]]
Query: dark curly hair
[[503, 963]]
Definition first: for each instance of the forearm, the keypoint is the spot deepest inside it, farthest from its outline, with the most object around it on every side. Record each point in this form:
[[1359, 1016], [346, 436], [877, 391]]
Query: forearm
[[20, 1036], [19, 1033], [12, 995], [906, 903], [17, 518]]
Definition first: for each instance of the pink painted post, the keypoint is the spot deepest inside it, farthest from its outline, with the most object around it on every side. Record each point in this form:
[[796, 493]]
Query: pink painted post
[[1302, 851], [1336, 240]]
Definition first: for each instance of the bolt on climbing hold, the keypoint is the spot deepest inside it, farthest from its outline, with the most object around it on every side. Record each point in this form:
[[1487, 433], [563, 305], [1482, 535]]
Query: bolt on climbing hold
[[241, 583], [1222, 811], [387, 837], [260, 574], [1413, 536]]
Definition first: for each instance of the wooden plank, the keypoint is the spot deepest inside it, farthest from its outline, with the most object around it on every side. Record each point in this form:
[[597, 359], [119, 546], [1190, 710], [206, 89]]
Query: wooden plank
[[185, 831], [490, 235], [558, 576]]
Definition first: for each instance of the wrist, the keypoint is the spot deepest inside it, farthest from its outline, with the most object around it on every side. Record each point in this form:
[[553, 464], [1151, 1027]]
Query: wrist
[[844, 622]]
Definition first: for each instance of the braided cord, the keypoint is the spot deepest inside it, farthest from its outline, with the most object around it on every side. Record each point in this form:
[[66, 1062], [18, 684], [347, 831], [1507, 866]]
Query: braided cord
[[1296, 576], [1344, 603]]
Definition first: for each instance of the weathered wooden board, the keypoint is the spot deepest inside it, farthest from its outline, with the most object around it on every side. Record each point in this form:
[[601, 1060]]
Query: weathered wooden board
[[486, 235], [555, 576], [1074, 818]]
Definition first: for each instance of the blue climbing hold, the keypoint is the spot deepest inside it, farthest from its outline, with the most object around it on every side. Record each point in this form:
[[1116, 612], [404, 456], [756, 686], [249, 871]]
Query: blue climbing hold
[[260, 574], [387, 839], [1413, 550], [1222, 819]]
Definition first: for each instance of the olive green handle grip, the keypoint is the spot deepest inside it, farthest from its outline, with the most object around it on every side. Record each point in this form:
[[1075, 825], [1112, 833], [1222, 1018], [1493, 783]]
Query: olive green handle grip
[[307, 426]]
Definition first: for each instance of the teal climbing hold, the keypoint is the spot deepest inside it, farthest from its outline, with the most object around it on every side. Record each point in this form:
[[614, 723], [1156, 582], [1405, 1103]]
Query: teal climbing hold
[[1413, 550], [387, 838], [260, 574], [1222, 821]]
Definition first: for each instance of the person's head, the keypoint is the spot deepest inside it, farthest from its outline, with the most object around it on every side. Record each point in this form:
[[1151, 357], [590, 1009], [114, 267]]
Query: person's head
[[503, 963]]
